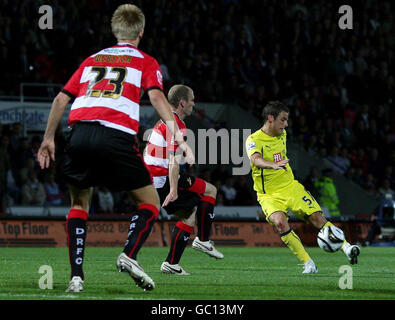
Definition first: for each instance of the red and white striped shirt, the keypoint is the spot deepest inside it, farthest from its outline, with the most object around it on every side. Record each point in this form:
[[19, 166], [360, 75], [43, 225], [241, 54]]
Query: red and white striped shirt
[[108, 85], [160, 143]]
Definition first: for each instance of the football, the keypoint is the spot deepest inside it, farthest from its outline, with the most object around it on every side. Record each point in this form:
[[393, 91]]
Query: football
[[330, 239]]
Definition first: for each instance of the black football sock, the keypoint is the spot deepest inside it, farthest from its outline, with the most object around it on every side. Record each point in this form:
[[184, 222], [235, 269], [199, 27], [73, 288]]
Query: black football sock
[[179, 240], [140, 227], [76, 235], [205, 217]]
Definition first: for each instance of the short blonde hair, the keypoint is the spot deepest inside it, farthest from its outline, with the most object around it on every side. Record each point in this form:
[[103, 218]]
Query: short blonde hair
[[177, 93], [127, 22]]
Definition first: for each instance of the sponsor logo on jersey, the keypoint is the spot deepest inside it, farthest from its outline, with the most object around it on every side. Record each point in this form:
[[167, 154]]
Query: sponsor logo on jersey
[[277, 157]]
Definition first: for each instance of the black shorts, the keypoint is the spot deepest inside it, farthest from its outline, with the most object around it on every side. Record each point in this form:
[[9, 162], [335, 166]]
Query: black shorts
[[190, 190], [96, 155]]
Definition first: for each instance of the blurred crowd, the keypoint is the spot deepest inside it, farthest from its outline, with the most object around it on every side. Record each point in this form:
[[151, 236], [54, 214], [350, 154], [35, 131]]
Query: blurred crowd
[[22, 182], [339, 84]]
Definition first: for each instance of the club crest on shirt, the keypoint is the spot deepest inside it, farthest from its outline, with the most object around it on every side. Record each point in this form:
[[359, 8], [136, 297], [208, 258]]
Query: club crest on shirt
[[159, 76], [251, 146], [277, 157]]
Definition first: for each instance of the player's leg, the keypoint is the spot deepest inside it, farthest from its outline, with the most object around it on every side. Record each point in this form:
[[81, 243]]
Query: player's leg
[[205, 217], [274, 208], [179, 240], [142, 221], [76, 234], [292, 241], [302, 204], [305, 204], [184, 208], [205, 212], [80, 153], [318, 220]]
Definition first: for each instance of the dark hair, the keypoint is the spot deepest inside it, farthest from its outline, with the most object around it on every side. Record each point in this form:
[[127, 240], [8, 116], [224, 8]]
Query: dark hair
[[273, 108]]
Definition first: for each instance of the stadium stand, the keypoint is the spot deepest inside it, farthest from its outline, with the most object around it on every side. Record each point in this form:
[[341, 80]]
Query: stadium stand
[[339, 85]]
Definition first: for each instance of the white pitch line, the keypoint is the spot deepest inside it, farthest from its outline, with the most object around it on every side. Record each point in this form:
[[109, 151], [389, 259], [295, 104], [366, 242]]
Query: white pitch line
[[67, 296]]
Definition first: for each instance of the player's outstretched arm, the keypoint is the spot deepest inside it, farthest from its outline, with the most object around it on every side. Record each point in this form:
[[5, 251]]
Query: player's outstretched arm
[[259, 162], [174, 170], [46, 153]]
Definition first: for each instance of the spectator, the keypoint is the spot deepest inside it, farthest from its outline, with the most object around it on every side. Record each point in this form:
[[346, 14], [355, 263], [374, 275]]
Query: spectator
[[360, 159], [362, 133], [54, 196], [364, 116], [21, 156], [13, 195], [388, 174], [105, 201], [301, 128], [15, 135], [212, 87], [370, 184], [347, 133], [344, 159], [385, 191], [22, 176], [375, 163], [33, 193], [374, 133], [327, 193], [165, 71], [243, 194], [310, 180], [322, 152], [387, 143], [339, 163], [220, 199], [350, 174], [359, 177], [229, 191]]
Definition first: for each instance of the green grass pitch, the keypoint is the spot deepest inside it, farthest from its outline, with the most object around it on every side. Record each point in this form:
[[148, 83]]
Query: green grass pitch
[[244, 274]]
